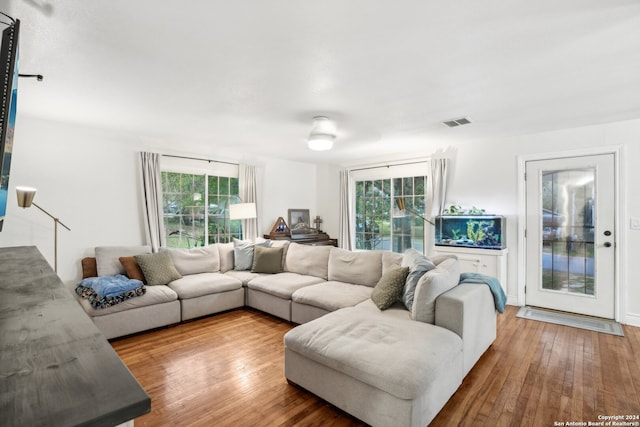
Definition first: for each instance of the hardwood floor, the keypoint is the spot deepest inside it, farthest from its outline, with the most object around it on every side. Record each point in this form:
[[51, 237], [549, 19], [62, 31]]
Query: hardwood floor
[[227, 369]]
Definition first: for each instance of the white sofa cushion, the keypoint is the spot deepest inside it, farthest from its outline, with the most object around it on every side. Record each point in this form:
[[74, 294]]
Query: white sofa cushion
[[332, 295], [396, 310], [244, 276], [197, 285], [282, 285], [390, 260], [431, 285], [400, 357], [226, 256], [108, 258], [360, 268], [204, 259], [308, 260]]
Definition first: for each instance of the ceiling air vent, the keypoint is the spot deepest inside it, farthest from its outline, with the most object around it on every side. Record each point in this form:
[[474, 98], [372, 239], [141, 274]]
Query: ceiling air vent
[[457, 122]]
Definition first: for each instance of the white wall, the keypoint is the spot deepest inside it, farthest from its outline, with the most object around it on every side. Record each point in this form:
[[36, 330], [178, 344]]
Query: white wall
[[285, 185], [327, 199], [484, 174], [89, 178], [85, 177]]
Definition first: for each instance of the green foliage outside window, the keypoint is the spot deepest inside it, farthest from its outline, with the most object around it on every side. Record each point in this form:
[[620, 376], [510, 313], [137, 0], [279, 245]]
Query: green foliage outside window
[[378, 224], [195, 209]]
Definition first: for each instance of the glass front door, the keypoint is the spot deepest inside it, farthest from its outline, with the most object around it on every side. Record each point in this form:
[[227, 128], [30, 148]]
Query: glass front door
[[570, 241]]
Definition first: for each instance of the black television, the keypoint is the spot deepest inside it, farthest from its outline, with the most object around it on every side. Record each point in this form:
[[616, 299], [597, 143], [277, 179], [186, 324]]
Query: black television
[[9, 92]]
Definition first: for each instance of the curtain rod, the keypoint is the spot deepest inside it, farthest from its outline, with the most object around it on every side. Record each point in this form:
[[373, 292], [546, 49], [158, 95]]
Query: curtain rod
[[203, 160], [389, 165]]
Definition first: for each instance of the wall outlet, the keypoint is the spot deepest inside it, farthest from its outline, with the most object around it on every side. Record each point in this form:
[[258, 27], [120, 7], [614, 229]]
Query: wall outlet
[[635, 223]]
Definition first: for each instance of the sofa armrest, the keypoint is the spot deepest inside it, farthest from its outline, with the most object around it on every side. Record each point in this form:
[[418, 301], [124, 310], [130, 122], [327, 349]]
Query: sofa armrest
[[469, 311]]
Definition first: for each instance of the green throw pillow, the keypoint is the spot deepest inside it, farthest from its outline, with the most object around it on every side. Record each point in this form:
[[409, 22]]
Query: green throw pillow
[[267, 260], [389, 287], [158, 268]]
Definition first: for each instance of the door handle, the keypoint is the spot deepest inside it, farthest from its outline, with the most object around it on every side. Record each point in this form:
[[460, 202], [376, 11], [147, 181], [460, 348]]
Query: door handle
[[607, 244]]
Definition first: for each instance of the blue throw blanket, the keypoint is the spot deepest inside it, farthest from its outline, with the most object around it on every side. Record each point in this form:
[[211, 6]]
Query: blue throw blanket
[[110, 286], [499, 297]]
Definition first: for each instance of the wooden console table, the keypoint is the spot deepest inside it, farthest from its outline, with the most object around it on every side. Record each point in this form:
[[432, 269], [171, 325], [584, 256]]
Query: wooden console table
[[317, 239], [56, 367]]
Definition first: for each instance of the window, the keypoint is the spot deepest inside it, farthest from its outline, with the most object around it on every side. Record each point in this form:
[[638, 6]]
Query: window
[[195, 209], [379, 225]]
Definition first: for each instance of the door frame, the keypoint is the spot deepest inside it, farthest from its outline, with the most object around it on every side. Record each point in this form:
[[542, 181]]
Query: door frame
[[617, 151]]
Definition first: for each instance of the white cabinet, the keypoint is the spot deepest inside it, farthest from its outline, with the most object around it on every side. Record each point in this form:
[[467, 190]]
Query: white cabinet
[[485, 261]]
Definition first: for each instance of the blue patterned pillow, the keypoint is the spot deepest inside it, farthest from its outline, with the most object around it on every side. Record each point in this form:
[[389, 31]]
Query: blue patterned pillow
[[418, 265]]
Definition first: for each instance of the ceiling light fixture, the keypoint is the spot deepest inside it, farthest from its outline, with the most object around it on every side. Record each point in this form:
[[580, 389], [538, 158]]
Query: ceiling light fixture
[[322, 135]]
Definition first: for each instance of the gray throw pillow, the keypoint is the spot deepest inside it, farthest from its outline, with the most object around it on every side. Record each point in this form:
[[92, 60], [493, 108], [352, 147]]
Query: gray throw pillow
[[389, 287], [267, 260], [158, 268], [418, 265], [243, 253]]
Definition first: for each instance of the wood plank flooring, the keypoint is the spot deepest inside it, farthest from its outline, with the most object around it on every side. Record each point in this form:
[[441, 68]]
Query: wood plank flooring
[[227, 370]]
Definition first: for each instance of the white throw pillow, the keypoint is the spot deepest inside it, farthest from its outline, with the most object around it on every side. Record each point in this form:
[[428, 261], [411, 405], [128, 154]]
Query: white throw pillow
[[430, 286]]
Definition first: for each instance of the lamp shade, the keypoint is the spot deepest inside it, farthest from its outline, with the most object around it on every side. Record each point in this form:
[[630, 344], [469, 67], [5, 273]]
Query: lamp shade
[[242, 211], [25, 196]]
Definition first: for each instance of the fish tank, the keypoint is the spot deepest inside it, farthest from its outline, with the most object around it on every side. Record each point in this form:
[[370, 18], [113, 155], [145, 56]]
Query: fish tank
[[471, 231]]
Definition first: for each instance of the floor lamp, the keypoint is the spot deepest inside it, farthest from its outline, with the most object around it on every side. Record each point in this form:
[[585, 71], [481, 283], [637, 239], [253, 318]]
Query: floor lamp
[[25, 200], [242, 211], [400, 203]]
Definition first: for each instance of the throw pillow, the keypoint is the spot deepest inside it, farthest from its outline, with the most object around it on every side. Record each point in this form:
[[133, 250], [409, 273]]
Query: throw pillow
[[89, 267], [158, 268], [267, 260], [430, 286], [132, 269], [243, 253], [389, 287], [418, 265]]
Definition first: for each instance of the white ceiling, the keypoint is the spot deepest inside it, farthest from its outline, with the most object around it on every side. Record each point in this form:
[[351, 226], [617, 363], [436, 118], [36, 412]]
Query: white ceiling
[[244, 78]]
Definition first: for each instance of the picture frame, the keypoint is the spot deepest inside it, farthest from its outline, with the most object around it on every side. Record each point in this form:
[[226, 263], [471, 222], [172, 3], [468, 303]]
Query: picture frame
[[300, 222]]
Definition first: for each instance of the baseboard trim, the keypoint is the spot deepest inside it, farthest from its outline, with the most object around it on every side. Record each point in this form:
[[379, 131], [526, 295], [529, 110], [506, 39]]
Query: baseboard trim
[[632, 319]]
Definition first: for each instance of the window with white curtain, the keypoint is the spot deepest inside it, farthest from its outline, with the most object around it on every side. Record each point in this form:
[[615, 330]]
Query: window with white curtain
[[196, 199], [378, 223]]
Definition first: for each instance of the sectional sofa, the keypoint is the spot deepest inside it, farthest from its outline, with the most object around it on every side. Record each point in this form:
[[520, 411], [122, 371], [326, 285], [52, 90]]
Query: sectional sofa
[[390, 367]]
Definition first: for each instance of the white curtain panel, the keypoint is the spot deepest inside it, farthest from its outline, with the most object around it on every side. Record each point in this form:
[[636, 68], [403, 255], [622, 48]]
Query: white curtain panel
[[345, 239], [436, 194], [248, 194], [438, 179], [152, 200]]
